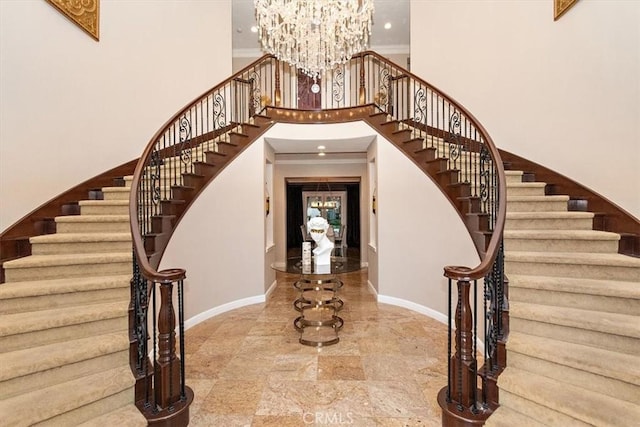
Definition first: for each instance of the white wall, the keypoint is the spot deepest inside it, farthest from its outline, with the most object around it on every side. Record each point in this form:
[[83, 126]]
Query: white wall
[[565, 94], [220, 240], [419, 232], [71, 107]]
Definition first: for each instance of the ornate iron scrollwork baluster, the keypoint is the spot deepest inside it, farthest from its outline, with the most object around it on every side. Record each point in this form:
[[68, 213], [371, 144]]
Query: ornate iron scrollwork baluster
[[455, 146], [338, 85], [255, 103], [383, 98], [185, 145], [420, 112], [219, 111], [486, 166]]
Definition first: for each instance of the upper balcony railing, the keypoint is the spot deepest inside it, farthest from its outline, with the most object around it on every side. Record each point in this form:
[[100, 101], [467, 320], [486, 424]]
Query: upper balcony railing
[[189, 142]]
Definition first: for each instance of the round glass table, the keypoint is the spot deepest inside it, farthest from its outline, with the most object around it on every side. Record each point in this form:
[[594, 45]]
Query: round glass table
[[318, 300]]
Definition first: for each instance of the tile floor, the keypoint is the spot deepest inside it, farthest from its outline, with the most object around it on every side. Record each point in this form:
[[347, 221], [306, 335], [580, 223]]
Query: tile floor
[[247, 367]]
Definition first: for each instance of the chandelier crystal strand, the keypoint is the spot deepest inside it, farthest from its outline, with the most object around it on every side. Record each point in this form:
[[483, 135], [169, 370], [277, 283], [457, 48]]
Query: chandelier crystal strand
[[314, 35]]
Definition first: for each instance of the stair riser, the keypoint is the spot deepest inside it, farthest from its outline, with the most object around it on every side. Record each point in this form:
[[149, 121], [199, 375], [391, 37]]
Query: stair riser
[[63, 333], [93, 227], [513, 179], [619, 343], [540, 413], [116, 195], [560, 245], [62, 271], [524, 191], [546, 206], [549, 224], [605, 272], [104, 209], [92, 410], [80, 248], [587, 380], [573, 300], [37, 380], [46, 302]]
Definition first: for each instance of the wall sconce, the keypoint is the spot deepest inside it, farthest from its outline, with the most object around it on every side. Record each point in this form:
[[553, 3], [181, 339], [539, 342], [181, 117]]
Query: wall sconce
[[267, 206], [374, 202]]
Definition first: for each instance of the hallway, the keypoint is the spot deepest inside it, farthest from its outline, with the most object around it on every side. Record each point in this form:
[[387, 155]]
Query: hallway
[[247, 368]]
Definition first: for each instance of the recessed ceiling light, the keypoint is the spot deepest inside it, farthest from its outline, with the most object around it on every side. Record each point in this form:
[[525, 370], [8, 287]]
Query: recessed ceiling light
[[321, 154], [321, 147], [387, 26], [254, 29]]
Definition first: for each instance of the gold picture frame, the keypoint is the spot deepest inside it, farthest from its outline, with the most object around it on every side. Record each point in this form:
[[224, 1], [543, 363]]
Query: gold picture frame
[[84, 13], [560, 7]]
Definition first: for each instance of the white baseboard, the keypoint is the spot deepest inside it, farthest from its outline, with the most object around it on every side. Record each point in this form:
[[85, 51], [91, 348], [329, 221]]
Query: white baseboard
[[205, 315], [442, 318], [271, 289]]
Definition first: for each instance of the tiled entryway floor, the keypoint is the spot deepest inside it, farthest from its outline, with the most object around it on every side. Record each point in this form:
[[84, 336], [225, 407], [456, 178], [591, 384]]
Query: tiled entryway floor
[[247, 367]]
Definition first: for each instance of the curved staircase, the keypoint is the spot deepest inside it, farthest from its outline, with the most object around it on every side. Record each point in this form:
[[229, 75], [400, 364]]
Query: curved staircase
[[574, 342], [64, 323], [73, 322]]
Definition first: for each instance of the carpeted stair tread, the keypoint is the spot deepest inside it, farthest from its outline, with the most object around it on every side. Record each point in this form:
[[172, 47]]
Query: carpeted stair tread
[[103, 202], [507, 417], [584, 405], [561, 234], [66, 259], [526, 185], [58, 286], [608, 323], [48, 402], [81, 238], [550, 215], [28, 361], [611, 364], [92, 218], [613, 288], [127, 416], [550, 198], [581, 258], [19, 323]]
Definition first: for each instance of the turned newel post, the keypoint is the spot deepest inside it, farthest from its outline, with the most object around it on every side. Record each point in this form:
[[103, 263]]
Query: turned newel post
[[463, 363], [167, 365], [362, 97], [278, 93]]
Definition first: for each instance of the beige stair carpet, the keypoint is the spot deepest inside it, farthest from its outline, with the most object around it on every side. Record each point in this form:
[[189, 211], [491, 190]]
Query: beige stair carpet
[[574, 304], [64, 341]]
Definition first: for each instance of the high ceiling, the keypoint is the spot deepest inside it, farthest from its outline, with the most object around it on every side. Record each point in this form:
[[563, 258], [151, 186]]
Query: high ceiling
[[393, 40], [384, 41]]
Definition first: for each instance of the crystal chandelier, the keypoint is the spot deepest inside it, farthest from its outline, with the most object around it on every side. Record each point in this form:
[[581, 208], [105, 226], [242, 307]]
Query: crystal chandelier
[[314, 35]]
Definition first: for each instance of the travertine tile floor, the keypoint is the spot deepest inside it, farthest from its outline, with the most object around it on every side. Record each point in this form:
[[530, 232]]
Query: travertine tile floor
[[247, 367]]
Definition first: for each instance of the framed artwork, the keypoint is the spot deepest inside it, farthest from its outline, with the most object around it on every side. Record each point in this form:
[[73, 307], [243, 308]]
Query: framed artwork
[[83, 13], [561, 6]]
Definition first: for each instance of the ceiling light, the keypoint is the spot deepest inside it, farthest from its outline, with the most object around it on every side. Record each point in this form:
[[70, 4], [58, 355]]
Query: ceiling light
[[321, 147], [254, 29], [321, 154], [387, 26], [314, 35]]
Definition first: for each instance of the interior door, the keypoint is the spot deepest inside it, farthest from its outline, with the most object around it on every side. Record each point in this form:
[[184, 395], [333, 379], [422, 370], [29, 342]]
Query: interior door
[[309, 97]]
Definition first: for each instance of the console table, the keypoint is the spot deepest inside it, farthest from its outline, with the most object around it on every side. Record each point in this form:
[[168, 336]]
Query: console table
[[318, 299]]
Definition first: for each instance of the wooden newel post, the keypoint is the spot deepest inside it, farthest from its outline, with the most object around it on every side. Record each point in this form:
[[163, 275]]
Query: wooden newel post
[[463, 362], [362, 97], [278, 92], [167, 364]]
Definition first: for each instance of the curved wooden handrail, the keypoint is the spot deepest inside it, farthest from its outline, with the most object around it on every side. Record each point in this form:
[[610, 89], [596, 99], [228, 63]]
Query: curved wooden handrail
[[482, 269], [146, 268]]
